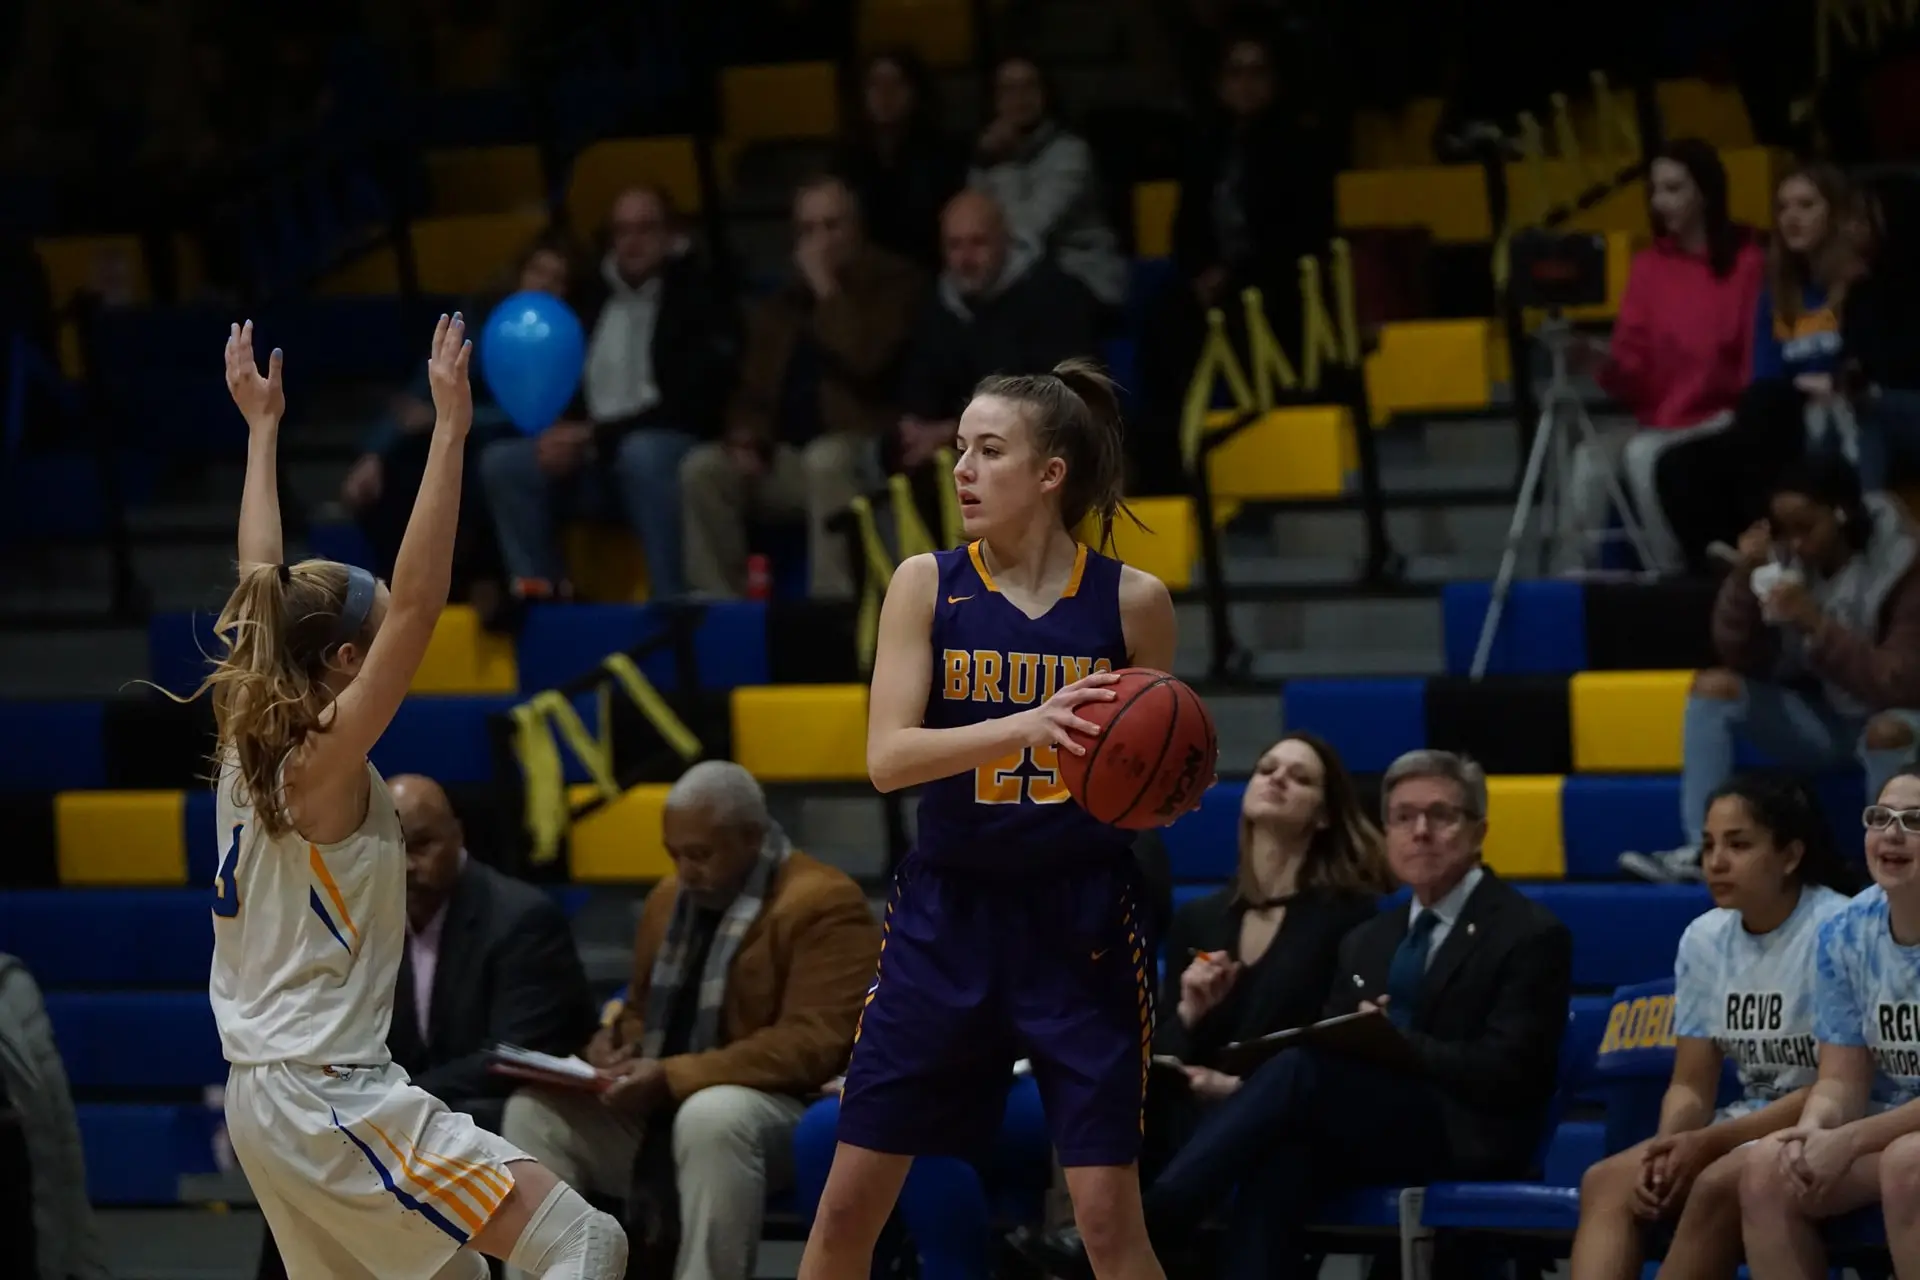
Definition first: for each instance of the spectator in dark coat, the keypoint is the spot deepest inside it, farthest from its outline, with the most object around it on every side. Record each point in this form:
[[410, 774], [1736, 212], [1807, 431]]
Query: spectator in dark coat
[[899, 163], [1000, 308]]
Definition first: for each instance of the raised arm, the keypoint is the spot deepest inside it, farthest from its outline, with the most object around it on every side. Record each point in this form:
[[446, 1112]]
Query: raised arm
[[901, 751], [420, 577], [262, 402]]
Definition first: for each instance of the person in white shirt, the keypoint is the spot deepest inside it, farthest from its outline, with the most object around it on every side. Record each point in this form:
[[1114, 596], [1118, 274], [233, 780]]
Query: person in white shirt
[[1743, 992], [358, 1172], [1858, 1139]]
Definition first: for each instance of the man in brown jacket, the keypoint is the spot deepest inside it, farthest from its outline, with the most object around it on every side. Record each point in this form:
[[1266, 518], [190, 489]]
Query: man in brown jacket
[[749, 968], [817, 390]]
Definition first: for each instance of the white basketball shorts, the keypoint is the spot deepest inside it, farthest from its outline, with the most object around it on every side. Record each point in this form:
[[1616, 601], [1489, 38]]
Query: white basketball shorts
[[360, 1174]]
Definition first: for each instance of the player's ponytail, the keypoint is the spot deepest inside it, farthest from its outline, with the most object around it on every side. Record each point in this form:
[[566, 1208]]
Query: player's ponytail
[[1077, 418], [282, 626]]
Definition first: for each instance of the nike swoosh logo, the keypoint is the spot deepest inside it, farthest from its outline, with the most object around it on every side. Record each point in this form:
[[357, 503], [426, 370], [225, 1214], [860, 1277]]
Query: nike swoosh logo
[[1102, 951], [957, 599]]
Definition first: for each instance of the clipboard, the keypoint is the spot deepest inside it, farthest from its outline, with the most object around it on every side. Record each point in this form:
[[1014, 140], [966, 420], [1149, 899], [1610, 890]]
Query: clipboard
[[1366, 1035], [544, 1069]]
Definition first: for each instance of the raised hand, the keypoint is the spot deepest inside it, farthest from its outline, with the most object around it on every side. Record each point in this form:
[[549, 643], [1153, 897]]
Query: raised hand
[[447, 375], [262, 401]]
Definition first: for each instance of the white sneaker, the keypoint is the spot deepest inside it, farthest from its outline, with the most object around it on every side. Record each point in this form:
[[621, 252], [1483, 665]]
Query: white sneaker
[[1673, 866]]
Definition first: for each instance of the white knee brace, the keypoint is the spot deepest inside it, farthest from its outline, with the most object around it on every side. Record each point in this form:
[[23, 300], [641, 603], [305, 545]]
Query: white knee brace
[[569, 1239]]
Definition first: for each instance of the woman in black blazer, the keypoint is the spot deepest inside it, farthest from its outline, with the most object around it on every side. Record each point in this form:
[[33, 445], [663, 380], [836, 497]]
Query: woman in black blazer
[[1259, 955]]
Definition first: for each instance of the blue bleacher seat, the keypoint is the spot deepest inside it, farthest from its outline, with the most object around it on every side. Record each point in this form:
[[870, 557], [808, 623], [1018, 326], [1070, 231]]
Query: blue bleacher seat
[[1603, 816], [1370, 723], [52, 745], [444, 738], [137, 1153], [341, 540], [59, 495], [1543, 627], [132, 937], [179, 646], [1204, 846], [563, 642], [151, 1040], [1622, 933]]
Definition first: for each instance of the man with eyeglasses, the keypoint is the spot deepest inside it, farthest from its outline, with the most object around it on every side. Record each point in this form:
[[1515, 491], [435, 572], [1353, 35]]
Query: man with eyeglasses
[[1474, 979]]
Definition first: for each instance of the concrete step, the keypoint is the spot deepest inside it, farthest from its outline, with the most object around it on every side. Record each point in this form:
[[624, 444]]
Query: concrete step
[[1321, 637], [78, 579], [1257, 572], [1437, 531], [89, 663]]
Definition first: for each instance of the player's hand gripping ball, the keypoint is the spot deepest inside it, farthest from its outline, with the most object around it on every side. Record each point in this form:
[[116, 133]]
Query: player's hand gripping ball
[[1153, 758]]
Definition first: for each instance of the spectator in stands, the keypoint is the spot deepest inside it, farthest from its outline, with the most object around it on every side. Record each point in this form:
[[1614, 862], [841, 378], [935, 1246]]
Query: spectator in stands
[[817, 392], [1257, 193], [1474, 977], [1682, 346], [1260, 954], [1856, 1139], [489, 960], [899, 163], [749, 966], [381, 484], [660, 356], [1713, 487], [1776, 879], [1816, 626], [1880, 334], [999, 307], [61, 1241], [1043, 176]]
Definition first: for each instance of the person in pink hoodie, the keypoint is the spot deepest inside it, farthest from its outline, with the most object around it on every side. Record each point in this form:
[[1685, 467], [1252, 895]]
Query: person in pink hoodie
[[1682, 346]]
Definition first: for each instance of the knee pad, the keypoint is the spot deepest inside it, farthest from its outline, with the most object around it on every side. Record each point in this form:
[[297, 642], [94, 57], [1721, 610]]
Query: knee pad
[[569, 1239]]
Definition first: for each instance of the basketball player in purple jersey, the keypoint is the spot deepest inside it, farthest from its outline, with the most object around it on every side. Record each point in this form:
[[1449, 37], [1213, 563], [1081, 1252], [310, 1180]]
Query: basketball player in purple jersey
[[1015, 928]]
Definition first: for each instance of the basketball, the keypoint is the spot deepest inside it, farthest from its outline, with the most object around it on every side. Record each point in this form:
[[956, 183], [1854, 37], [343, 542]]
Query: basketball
[[1156, 749]]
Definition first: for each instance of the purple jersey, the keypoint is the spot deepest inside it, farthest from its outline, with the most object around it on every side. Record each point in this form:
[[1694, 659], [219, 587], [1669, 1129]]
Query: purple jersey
[[1014, 816]]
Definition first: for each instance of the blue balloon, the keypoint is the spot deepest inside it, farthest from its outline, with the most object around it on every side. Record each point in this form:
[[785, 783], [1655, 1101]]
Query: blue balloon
[[532, 353]]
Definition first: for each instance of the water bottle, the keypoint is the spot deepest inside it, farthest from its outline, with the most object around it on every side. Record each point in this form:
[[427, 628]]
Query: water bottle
[[759, 577]]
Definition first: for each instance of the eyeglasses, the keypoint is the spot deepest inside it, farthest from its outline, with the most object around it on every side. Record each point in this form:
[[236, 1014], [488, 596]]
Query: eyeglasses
[[1878, 817], [1440, 817]]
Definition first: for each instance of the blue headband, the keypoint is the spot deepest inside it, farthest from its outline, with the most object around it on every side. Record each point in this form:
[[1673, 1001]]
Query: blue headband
[[357, 605]]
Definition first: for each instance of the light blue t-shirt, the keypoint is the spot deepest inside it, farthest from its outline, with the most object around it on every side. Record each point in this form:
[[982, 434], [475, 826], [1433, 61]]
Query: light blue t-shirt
[[1869, 995], [1752, 994]]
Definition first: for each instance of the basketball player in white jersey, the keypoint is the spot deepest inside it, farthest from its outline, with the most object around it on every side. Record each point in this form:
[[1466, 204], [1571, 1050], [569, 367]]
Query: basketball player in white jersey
[[358, 1173]]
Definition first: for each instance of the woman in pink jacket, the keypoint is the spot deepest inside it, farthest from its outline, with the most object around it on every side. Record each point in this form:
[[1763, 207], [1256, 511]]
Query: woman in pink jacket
[[1682, 347]]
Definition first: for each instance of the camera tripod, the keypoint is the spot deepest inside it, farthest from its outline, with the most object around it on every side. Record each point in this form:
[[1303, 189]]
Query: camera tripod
[[1564, 425]]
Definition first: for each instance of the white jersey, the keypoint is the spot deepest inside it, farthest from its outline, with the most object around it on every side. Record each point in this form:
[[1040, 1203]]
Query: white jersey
[[307, 938], [1752, 994], [1869, 995]]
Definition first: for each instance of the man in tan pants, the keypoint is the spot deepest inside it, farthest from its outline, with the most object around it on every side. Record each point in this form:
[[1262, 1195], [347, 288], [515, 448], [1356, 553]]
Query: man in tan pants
[[815, 396], [749, 967]]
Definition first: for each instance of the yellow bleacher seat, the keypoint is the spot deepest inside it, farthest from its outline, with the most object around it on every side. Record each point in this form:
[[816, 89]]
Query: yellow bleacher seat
[[1627, 721], [471, 253], [487, 180], [1166, 548], [1302, 452], [605, 563], [607, 168], [464, 657], [940, 31], [1524, 836], [785, 100], [1714, 113], [1400, 139], [620, 841], [1155, 204], [469, 57], [121, 837], [115, 267], [1451, 200], [1433, 365], [801, 732]]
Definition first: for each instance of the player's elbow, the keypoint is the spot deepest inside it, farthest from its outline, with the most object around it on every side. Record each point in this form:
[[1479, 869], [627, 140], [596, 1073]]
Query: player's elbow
[[886, 767]]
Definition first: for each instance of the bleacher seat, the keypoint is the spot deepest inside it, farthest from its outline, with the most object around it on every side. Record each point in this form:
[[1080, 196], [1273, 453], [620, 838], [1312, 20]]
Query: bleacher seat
[[120, 837], [621, 841], [1369, 722], [448, 739], [52, 745], [136, 1153], [779, 101], [1433, 366], [560, 643], [940, 31], [133, 938], [1628, 721], [464, 657], [505, 179], [1155, 204], [1622, 933], [1542, 627], [1524, 838], [1166, 547], [609, 167], [146, 1040], [802, 733], [1603, 817], [1303, 452]]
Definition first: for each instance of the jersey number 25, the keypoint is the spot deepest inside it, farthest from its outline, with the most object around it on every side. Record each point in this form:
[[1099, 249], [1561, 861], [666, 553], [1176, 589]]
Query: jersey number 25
[[1032, 775], [226, 881]]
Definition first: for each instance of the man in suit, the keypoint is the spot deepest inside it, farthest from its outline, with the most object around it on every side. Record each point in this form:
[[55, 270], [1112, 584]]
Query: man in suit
[[1476, 979], [750, 966], [489, 959]]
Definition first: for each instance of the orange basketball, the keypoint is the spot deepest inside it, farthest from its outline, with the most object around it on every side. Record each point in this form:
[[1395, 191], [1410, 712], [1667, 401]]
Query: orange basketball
[[1155, 752]]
